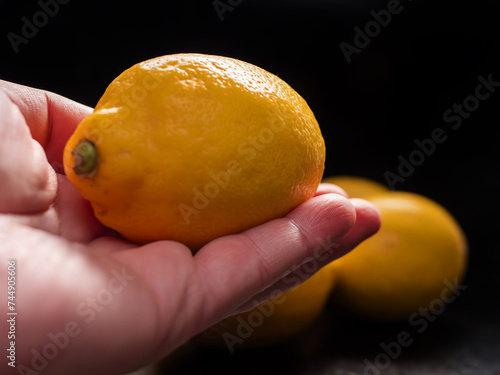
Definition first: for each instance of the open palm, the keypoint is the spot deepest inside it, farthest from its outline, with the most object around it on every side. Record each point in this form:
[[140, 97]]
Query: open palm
[[89, 302]]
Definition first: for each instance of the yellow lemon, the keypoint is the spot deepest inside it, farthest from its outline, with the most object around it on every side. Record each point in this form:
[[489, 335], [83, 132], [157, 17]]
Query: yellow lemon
[[419, 255], [190, 147]]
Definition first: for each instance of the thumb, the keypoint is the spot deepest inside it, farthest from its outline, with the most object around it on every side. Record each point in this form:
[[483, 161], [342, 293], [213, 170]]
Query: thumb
[[27, 182]]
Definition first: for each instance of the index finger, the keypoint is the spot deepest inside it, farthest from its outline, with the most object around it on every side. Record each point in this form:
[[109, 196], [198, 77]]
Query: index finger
[[51, 118]]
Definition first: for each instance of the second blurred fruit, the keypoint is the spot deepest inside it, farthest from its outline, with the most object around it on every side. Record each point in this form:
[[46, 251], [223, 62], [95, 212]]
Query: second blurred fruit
[[419, 255]]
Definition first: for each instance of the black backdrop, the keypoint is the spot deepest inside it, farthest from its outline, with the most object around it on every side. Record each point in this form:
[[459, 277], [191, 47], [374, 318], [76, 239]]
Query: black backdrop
[[394, 90]]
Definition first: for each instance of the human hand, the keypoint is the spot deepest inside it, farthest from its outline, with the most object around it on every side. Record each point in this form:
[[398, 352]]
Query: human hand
[[89, 302]]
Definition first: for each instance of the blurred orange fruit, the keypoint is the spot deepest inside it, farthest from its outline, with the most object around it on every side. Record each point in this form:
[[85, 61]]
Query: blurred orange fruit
[[418, 255]]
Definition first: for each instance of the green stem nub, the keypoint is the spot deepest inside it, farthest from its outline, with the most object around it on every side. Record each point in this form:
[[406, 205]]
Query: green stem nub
[[85, 155]]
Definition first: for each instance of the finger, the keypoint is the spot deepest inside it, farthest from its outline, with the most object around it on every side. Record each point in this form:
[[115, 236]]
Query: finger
[[51, 118], [367, 224], [234, 268], [69, 216], [28, 183], [76, 218], [325, 188]]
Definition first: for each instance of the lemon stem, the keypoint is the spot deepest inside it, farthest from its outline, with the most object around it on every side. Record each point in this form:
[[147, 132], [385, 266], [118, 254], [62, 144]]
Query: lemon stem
[[85, 155]]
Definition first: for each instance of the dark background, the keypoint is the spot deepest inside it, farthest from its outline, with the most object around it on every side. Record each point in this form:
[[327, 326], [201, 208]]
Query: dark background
[[370, 110]]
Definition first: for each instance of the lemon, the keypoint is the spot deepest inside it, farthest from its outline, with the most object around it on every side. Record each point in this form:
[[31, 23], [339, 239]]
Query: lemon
[[418, 255], [191, 147]]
